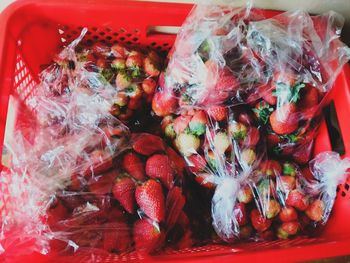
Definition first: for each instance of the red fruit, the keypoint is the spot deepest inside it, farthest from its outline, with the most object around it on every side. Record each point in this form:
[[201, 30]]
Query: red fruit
[[134, 91], [146, 236], [198, 123], [245, 119], [181, 123], [115, 215], [245, 232], [159, 167], [297, 200], [269, 97], [267, 235], [259, 222], [124, 190], [206, 180], [56, 214], [307, 174], [148, 144], [150, 198], [134, 104], [287, 229], [149, 86], [76, 182], [272, 208], [174, 204], [310, 98], [272, 140], [218, 113], [133, 165], [283, 120], [164, 103], [252, 137], [177, 162], [286, 183], [150, 67], [303, 153], [240, 214], [196, 163], [134, 61], [102, 184], [315, 211], [245, 195], [288, 214], [71, 200], [118, 64], [122, 81], [100, 162], [116, 237], [118, 51], [126, 115], [167, 120], [262, 111], [271, 168], [286, 78]]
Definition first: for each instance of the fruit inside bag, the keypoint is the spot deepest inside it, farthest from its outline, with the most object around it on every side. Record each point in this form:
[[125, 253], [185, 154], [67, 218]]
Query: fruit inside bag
[[293, 201]]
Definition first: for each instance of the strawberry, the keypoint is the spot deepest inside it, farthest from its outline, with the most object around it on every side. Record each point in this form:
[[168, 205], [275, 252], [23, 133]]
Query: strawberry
[[56, 214], [238, 130], [102, 184], [306, 173], [286, 183], [181, 123], [198, 123], [121, 99], [206, 180], [252, 137], [150, 67], [134, 104], [267, 235], [272, 208], [116, 214], [134, 61], [316, 210], [187, 144], [149, 86], [221, 143], [272, 140], [297, 199], [118, 51], [269, 97], [177, 162], [101, 161], [262, 111], [288, 214], [122, 81], [174, 204], [283, 120], [196, 163], [150, 198], [167, 120], [245, 232], [245, 119], [101, 63], [164, 103], [240, 214], [245, 195], [118, 64], [116, 237], [289, 169], [168, 127], [259, 222], [218, 113], [134, 91], [76, 182], [71, 200], [148, 144], [126, 115], [266, 188], [133, 165], [302, 154], [309, 98], [288, 229], [146, 236], [159, 167], [115, 110], [124, 190], [271, 168], [154, 56], [248, 156], [286, 78]]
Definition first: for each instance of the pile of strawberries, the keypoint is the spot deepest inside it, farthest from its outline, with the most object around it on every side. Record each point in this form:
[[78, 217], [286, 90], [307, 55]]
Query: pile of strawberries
[[130, 201], [134, 74]]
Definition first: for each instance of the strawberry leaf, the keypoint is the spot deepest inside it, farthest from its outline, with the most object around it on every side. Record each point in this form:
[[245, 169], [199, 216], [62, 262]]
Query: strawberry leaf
[[296, 92]]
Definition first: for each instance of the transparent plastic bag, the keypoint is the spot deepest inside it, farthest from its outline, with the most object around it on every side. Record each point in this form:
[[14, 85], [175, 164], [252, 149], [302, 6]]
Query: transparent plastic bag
[[293, 201]]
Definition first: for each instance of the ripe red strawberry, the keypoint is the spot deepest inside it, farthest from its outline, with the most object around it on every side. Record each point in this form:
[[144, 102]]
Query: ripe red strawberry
[[134, 91], [122, 81], [124, 191], [181, 123], [240, 214], [56, 213], [218, 113], [245, 195], [118, 51], [302, 154], [101, 162], [116, 237], [196, 163], [159, 167], [147, 236], [116, 214], [150, 198], [164, 103], [269, 97], [126, 115], [272, 140], [259, 222], [307, 174], [288, 214], [71, 200], [297, 199], [245, 119], [198, 123], [133, 165], [267, 187], [118, 64], [175, 202], [288, 229], [286, 183], [150, 67], [206, 180], [149, 86], [252, 137], [134, 104], [309, 98], [283, 120], [148, 144], [315, 211], [134, 61], [177, 162], [272, 208], [101, 63], [271, 168], [77, 181], [102, 184]]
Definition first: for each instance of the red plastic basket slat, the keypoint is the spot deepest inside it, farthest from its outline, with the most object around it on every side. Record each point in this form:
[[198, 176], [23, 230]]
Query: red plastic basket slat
[[32, 31]]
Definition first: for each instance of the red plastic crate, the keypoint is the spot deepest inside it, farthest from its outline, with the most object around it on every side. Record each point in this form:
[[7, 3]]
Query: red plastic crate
[[32, 31]]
